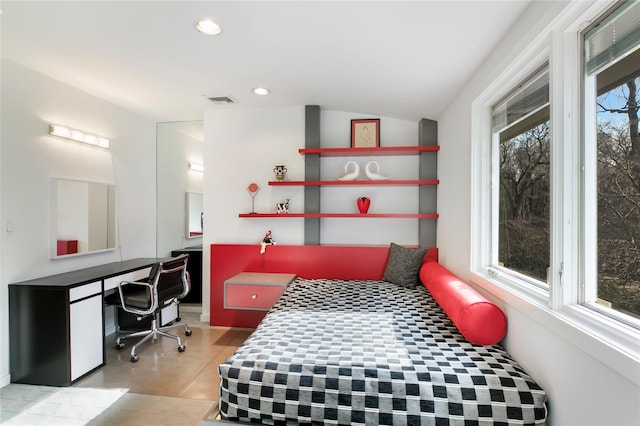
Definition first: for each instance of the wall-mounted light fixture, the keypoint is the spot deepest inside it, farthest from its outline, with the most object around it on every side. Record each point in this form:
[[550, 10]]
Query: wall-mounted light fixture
[[197, 167], [78, 136]]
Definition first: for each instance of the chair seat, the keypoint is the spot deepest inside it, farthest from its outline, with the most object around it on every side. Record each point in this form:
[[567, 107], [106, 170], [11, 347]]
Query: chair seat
[[134, 295], [137, 297]]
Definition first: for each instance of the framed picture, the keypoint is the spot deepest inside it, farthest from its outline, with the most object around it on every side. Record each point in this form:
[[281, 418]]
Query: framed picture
[[365, 133]]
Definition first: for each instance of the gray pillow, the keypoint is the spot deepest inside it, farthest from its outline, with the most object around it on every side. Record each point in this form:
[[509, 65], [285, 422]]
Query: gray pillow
[[403, 265]]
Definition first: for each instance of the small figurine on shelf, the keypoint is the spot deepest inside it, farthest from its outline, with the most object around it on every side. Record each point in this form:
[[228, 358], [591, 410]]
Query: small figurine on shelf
[[374, 175], [253, 190], [280, 171], [266, 241], [283, 207], [363, 204], [353, 175]]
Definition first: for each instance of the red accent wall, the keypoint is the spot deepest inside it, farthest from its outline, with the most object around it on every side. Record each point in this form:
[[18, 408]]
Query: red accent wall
[[313, 261]]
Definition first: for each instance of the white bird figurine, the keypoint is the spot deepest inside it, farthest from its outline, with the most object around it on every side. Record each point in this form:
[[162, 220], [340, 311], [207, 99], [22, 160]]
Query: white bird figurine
[[374, 175], [350, 175]]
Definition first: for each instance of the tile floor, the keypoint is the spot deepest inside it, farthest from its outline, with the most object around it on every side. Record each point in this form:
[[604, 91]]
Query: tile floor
[[138, 392]]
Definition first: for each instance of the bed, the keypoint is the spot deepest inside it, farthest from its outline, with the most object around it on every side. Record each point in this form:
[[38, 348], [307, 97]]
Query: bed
[[349, 351]]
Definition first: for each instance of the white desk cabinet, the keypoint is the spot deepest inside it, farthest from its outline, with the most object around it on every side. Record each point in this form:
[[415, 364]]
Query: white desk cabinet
[[85, 325], [56, 323]]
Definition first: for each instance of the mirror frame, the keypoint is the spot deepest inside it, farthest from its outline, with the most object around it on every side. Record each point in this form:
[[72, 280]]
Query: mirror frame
[[53, 222]]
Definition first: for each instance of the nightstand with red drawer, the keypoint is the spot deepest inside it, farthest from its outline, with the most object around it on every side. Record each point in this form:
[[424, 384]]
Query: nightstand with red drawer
[[256, 291]]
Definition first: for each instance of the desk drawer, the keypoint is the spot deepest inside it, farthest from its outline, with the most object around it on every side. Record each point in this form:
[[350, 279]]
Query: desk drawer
[[253, 297], [113, 282], [85, 290]]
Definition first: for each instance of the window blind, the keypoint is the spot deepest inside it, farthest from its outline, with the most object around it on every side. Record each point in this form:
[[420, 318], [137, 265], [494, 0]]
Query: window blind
[[617, 36], [525, 100]]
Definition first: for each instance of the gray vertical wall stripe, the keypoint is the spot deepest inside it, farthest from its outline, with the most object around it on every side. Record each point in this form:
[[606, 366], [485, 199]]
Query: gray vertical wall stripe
[[427, 195], [312, 172]]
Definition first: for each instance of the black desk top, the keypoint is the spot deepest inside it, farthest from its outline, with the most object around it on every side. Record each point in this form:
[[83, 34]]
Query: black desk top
[[87, 275], [188, 249]]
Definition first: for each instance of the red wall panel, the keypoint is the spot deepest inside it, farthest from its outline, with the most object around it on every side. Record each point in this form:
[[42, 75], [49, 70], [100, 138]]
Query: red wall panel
[[313, 261]]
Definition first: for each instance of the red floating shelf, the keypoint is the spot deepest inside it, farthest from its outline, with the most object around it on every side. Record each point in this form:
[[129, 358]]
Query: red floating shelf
[[373, 151], [341, 215], [353, 182]]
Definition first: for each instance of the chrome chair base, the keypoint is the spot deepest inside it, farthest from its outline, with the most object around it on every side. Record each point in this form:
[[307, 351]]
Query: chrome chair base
[[152, 333]]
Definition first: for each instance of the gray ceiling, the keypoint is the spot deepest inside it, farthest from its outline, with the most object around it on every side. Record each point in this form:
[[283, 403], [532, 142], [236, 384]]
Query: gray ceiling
[[399, 59]]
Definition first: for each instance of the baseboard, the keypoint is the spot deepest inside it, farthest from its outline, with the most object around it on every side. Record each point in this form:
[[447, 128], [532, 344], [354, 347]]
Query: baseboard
[[5, 380], [187, 307], [195, 309]]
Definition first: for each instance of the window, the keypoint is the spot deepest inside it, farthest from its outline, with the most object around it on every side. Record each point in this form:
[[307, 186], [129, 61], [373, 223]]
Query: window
[[573, 122], [521, 136], [612, 165]]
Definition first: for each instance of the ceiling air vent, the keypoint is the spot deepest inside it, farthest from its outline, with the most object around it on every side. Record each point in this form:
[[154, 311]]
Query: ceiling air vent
[[221, 100]]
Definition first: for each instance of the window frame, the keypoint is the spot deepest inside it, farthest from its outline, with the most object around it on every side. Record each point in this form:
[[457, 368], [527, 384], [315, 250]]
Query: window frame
[[614, 342], [588, 291], [486, 175], [515, 277]]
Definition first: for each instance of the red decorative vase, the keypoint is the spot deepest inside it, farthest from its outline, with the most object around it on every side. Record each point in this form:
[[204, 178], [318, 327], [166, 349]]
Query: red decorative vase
[[363, 204]]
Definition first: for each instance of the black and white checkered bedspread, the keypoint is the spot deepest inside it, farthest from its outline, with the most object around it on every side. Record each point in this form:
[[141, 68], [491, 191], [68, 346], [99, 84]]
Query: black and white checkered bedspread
[[371, 352]]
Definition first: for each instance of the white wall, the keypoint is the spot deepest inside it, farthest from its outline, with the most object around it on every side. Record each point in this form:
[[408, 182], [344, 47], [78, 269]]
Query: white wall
[[30, 157], [583, 389]]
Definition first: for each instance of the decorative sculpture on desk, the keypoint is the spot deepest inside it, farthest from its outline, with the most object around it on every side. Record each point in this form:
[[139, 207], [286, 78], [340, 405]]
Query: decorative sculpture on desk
[[253, 190], [266, 241]]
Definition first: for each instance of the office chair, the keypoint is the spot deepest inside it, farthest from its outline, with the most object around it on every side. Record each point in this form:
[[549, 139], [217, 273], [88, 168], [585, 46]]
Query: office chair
[[168, 282]]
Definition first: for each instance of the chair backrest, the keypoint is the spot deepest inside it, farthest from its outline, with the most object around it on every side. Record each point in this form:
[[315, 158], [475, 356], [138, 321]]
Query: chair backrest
[[170, 278]]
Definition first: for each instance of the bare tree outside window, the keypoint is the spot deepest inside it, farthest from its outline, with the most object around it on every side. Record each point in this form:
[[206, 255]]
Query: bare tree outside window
[[619, 198], [524, 202]]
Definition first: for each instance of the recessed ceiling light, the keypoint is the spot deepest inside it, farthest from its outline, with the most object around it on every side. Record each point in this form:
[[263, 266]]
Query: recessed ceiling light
[[261, 91], [208, 27]]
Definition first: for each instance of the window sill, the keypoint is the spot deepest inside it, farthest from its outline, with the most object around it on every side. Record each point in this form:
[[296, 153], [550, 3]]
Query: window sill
[[614, 344]]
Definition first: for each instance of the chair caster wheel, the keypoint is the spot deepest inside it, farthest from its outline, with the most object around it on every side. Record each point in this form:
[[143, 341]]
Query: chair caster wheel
[[134, 358], [181, 348], [187, 333], [119, 346]]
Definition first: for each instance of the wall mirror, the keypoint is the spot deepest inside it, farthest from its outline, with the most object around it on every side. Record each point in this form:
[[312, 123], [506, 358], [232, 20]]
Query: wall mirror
[[83, 217], [194, 215], [179, 223]]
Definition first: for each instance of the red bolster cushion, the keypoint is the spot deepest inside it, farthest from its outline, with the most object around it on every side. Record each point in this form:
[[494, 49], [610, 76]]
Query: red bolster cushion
[[480, 321]]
